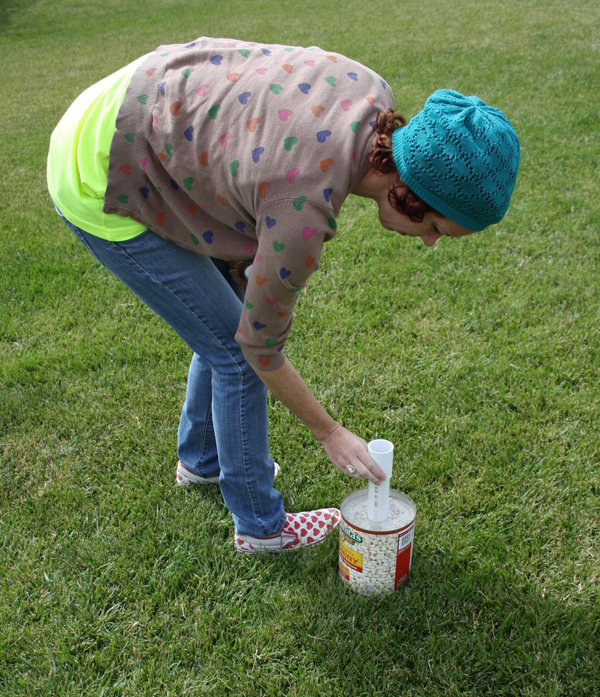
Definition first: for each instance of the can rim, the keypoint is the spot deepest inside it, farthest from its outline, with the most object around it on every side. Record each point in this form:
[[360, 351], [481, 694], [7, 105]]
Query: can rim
[[396, 531], [393, 494]]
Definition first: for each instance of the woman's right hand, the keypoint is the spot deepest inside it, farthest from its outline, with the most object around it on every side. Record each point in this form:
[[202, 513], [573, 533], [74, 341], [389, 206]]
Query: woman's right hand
[[345, 449]]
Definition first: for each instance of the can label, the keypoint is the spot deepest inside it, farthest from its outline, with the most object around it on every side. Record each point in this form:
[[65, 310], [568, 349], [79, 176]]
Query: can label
[[350, 535], [351, 557], [404, 555]]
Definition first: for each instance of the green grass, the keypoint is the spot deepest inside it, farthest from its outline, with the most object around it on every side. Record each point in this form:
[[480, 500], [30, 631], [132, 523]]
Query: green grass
[[479, 359]]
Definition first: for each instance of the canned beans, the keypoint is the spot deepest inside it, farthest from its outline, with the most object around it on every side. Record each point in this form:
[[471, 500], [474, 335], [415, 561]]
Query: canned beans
[[375, 558]]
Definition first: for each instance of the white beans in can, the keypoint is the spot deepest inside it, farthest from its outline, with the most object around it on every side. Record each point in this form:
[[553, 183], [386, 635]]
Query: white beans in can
[[375, 558]]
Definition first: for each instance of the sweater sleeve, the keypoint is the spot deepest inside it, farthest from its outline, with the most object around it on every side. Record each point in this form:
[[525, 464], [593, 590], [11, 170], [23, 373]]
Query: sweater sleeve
[[290, 235]]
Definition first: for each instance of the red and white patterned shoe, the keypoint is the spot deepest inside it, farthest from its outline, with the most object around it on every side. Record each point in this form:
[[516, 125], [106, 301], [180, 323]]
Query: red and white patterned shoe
[[299, 530], [185, 477]]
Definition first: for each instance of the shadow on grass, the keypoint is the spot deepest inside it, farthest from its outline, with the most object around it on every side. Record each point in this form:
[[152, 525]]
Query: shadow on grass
[[455, 629]]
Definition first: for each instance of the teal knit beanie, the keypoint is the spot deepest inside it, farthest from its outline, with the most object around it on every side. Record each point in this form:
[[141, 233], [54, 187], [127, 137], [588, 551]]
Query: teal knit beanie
[[460, 156]]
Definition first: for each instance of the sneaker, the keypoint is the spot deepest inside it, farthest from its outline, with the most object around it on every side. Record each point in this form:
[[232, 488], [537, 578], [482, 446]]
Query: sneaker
[[185, 477], [299, 530]]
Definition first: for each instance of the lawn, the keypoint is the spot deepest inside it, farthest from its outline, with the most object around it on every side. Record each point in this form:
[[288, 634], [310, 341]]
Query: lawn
[[479, 359]]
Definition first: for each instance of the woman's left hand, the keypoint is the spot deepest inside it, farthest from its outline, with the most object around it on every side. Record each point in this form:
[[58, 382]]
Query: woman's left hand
[[347, 451], [236, 271]]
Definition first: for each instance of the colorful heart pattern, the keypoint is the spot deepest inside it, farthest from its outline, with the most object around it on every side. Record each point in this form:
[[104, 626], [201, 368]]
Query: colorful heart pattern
[[289, 143], [274, 108], [253, 123], [308, 232], [291, 175]]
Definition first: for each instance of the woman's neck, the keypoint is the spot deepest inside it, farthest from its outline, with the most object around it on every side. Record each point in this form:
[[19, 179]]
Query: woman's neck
[[375, 185]]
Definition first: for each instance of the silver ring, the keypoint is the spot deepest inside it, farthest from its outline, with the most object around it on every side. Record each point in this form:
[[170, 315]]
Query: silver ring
[[350, 469]]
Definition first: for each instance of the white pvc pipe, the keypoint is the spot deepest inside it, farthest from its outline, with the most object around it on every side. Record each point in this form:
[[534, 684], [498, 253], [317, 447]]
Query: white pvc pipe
[[382, 451]]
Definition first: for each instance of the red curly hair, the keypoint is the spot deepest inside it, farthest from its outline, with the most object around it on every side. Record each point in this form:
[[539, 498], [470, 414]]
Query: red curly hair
[[381, 159]]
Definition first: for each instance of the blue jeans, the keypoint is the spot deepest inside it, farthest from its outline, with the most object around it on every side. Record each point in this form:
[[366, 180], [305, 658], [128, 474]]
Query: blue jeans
[[223, 425]]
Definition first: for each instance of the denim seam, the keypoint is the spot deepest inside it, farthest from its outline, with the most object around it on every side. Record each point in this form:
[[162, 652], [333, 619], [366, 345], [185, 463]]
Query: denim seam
[[78, 232], [245, 454], [206, 436]]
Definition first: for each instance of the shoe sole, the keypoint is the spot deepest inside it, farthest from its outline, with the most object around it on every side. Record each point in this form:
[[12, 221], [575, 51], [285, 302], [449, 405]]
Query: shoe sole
[[261, 549]]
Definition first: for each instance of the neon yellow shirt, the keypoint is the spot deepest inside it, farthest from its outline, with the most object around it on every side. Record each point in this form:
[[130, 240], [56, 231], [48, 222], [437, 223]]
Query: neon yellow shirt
[[77, 168]]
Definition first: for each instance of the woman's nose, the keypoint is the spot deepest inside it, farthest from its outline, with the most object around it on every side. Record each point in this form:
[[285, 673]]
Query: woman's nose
[[430, 238]]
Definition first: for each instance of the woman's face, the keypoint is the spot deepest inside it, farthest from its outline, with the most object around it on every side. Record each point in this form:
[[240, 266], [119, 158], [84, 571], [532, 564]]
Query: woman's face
[[429, 230]]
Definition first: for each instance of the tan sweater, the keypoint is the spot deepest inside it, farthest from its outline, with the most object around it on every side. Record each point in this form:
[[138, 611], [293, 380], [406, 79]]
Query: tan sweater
[[245, 151]]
